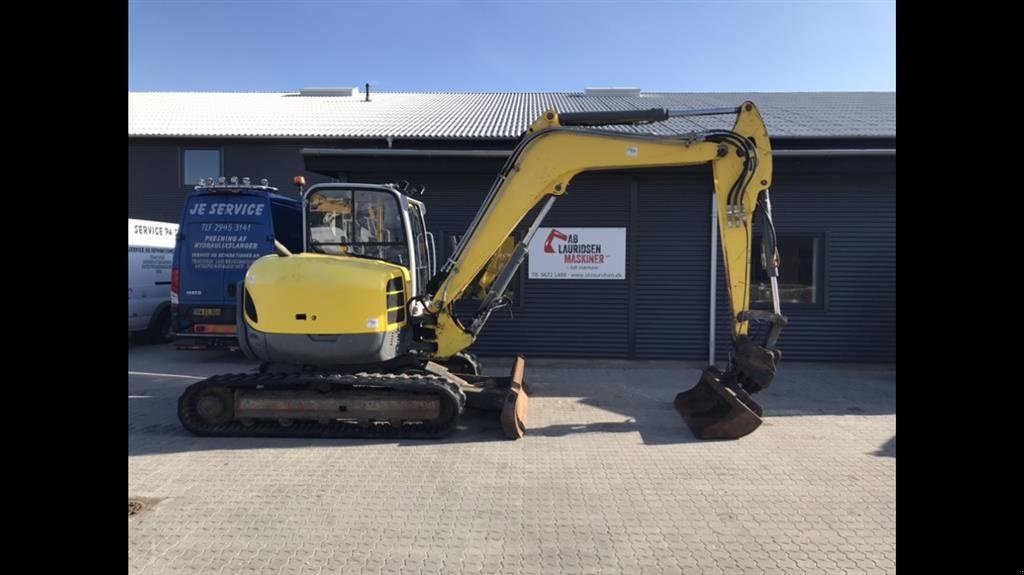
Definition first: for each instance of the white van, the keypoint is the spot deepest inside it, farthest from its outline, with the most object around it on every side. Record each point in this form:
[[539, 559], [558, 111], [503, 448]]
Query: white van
[[150, 251]]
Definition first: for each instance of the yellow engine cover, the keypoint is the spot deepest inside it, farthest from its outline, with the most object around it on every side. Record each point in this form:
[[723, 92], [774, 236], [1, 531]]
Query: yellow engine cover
[[326, 294]]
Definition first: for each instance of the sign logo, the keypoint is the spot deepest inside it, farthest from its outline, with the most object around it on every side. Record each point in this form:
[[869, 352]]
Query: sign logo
[[226, 209], [555, 234]]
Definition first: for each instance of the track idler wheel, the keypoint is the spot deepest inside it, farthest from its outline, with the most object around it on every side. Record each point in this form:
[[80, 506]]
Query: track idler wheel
[[216, 405], [514, 411], [714, 411]]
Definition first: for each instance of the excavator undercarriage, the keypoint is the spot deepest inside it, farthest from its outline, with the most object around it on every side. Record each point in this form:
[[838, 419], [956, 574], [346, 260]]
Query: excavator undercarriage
[[417, 401]]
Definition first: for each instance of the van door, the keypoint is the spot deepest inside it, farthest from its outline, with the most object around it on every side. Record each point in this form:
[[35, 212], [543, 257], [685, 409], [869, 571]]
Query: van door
[[150, 250], [221, 235]]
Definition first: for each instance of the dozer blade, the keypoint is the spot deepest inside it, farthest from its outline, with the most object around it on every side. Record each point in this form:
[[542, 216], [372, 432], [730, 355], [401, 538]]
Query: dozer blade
[[514, 411], [714, 411]]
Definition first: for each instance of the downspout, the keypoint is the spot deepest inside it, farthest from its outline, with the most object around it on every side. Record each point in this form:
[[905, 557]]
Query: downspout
[[714, 278]]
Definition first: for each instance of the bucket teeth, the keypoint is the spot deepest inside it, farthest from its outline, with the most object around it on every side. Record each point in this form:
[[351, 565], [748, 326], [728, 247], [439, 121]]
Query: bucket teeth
[[714, 411]]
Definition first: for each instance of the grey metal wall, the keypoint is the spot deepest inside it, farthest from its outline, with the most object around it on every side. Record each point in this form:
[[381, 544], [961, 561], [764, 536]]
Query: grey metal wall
[[667, 218], [854, 214], [554, 317], [153, 175], [671, 232], [850, 205], [155, 189]]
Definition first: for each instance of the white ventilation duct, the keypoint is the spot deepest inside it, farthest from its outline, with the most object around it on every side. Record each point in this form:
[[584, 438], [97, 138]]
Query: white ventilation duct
[[329, 92], [612, 92]]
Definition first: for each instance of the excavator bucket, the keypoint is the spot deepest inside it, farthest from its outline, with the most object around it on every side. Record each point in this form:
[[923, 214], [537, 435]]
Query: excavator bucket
[[514, 411], [714, 411]]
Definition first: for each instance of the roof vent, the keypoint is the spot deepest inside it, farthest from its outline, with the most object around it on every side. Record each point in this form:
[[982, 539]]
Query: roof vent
[[612, 92], [328, 91]]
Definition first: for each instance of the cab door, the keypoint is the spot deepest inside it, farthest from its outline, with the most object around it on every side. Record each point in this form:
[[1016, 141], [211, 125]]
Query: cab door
[[422, 255]]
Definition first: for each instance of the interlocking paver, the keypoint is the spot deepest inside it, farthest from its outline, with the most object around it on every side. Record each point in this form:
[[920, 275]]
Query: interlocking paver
[[607, 480]]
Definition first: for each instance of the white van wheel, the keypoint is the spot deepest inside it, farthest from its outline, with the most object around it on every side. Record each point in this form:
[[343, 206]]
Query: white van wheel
[[163, 330]]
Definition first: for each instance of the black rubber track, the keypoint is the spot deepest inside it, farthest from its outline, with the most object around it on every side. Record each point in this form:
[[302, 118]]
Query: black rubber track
[[453, 402]]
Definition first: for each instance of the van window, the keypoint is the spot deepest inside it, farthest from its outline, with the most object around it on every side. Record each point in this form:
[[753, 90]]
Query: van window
[[287, 225]]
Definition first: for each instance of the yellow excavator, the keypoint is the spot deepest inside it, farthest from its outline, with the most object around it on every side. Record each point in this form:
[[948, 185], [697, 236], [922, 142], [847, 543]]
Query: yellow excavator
[[358, 336]]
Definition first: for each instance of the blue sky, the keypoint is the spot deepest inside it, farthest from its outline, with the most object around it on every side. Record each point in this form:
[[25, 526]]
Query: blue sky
[[479, 46]]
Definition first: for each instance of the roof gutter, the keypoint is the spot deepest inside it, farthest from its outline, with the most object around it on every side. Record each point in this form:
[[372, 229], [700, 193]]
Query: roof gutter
[[393, 153], [502, 154], [835, 153]]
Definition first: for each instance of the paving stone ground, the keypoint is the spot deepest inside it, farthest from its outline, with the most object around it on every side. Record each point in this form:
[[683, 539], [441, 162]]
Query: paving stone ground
[[607, 480]]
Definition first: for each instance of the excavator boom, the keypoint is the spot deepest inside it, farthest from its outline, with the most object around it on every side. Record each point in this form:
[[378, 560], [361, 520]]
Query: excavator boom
[[558, 147]]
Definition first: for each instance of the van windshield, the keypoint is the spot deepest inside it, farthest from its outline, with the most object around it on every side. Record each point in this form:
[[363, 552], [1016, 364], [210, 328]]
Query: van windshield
[[363, 223]]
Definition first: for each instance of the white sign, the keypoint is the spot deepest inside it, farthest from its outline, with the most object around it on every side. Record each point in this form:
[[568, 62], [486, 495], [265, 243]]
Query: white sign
[[152, 234], [578, 254], [150, 254]]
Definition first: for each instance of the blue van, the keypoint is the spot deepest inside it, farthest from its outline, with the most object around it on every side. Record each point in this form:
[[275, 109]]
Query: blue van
[[224, 228]]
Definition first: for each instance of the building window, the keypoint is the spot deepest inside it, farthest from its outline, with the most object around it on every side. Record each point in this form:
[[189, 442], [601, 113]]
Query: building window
[[799, 271], [196, 164]]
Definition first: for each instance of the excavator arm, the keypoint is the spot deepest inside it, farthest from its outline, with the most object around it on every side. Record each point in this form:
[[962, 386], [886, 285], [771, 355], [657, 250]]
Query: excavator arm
[[557, 147]]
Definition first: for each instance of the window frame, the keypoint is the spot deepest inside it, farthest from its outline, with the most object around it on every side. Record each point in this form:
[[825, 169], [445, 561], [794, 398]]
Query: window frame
[[400, 211], [820, 244], [417, 216], [181, 172]]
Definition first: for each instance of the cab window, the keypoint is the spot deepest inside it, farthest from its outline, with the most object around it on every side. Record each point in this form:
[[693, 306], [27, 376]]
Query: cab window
[[361, 223]]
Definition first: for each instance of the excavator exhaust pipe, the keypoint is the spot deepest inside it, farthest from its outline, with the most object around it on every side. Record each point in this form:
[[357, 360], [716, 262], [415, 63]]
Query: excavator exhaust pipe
[[713, 410]]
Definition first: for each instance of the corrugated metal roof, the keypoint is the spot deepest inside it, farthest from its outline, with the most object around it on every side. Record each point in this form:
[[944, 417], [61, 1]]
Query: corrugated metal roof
[[486, 115]]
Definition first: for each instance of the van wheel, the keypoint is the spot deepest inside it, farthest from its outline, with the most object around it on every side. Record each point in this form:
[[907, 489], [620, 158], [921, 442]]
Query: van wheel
[[162, 331]]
